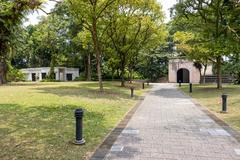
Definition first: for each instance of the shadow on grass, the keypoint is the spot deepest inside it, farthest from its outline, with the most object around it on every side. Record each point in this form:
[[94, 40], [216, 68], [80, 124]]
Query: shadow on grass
[[210, 91], [89, 90], [45, 132], [31, 83]]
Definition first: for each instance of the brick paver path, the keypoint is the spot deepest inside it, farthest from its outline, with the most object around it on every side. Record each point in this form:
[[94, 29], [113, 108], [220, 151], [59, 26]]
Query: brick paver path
[[168, 125]]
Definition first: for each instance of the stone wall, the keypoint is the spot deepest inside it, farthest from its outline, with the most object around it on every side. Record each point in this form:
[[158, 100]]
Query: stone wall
[[176, 64]]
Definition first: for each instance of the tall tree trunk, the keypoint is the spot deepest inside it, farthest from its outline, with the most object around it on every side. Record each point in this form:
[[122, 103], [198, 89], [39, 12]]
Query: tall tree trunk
[[112, 74], [118, 74], [219, 72], [122, 76], [52, 75], [3, 62], [130, 75], [237, 61], [3, 71], [85, 67], [200, 72], [89, 76], [122, 68], [98, 53], [238, 78], [204, 73], [219, 58]]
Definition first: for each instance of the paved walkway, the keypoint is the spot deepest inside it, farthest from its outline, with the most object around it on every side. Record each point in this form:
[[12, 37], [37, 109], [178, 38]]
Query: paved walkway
[[169, 126]]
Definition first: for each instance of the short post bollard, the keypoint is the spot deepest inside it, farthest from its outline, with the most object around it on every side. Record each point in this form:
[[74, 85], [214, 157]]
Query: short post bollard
[[180, 83], [148, 83], [143, 85], [132, 91], [190, 87], [224, 103], [79, 127]]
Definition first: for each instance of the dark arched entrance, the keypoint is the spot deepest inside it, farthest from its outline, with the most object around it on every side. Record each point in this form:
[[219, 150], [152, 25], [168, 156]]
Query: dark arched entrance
[[183, 75]]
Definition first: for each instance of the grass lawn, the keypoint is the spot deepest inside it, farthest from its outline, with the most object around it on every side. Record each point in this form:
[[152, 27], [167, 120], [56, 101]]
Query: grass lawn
[[210, 97], [37, 119]]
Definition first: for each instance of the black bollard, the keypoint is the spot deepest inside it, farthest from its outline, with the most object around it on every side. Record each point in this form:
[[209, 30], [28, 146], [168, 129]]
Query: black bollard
[[148, 83], [143, 85], [224, 103], [180, 83], [190, 87], [79, 127], [132, 91]]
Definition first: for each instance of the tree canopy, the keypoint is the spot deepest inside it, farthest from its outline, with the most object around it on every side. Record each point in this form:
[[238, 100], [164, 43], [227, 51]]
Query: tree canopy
[[120, 39], [206, 28], [11, 15]]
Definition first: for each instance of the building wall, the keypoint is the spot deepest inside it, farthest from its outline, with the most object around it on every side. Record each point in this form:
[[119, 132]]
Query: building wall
[[176, 64], [209, 70], [59, 76], [73, 71]]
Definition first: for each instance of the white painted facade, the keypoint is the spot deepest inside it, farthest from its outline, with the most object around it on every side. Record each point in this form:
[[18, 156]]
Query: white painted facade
[[61, 73]]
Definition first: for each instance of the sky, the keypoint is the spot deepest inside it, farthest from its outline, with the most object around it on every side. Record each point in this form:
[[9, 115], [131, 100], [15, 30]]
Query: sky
[[33, 18], [167, 4]]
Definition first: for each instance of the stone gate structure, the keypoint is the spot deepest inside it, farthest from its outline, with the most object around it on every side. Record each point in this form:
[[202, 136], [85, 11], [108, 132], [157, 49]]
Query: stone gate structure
[[180, 70]]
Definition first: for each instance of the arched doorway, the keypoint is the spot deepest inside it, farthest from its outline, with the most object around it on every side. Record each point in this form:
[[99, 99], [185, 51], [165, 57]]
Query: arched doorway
[[183, 75]]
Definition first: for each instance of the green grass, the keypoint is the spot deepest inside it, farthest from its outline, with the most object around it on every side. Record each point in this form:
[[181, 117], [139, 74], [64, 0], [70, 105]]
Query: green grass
[[37, 119], [210, 97]]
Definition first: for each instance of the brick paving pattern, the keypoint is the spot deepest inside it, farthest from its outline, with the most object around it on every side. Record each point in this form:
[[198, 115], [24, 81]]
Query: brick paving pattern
[[169, 126]]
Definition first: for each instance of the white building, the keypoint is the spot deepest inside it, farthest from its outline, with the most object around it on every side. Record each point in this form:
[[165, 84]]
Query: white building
[[61, 73]]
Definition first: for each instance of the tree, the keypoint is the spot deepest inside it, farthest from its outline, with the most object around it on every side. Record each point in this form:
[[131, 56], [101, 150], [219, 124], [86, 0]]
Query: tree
[[190, 44], [210, 20], [134, 26], [232, 65], [49, 43], [84, 38], [91, 12], [11, 14], [153, 64], [232, 24]]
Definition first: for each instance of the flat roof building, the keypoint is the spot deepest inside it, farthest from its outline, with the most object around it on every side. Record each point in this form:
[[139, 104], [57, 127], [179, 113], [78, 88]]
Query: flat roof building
[[61, 73]]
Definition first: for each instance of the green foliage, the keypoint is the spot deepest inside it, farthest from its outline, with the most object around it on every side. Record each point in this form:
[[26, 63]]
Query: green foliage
[[91, 15], [14, 75], [110, 35], [51, 42], [134, 26], [154, 65], [207, 32], [232, 67], [11, 14], [51, 74], [197, 65], [80, 78]]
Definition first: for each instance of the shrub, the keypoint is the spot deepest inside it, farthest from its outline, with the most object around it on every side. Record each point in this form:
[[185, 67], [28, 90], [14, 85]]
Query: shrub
[[15, 75]]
